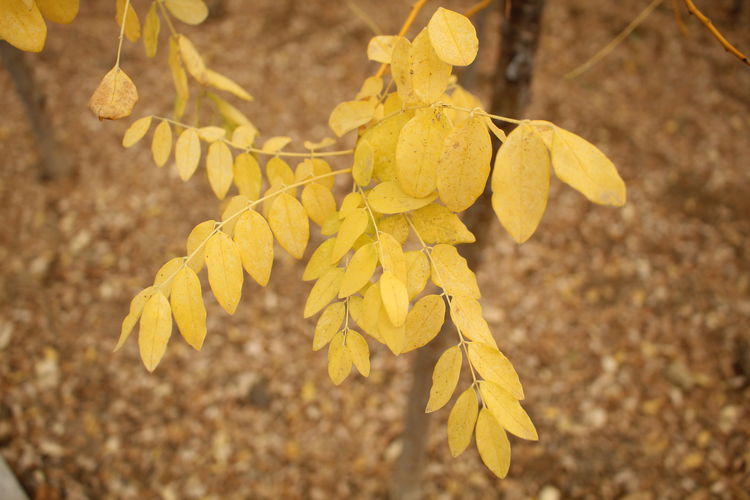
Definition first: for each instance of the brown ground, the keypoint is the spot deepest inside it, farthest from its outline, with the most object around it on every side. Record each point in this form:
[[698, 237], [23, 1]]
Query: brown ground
[[629, 327]]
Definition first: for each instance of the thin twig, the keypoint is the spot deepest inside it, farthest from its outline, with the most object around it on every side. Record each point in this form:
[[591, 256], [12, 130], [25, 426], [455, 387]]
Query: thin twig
[[692, 9], [477, 7], [364, 16], [678, 18]]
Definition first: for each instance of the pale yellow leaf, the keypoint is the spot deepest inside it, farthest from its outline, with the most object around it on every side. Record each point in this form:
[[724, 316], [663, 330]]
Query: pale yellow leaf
[[371, 308], [451, 272], [507, 410], [161, 144], [247, 176], [350, 115], [418, 151], [436, 224], [188, 11], [453, 37], [132, 23], [231, 115], [279, 172], [244, 135], [370, 87], [520, 182], [328, 324], [351, 228], [396, 226], [57, 11], [401, 69], [395, 297], [364, 162], [211, 133], [151, 27], [380, 47], [224, 270], [324, 291], [464, 165], [115, 97], [417, 272], [221, 82], [187, 307], [166, 274], [320, 261], [495, 367], [219, 167], [275, 144], [350, 203], [255, 242], [360, 352], [493, 444], [339, 359], [429, 74], [179, 77], [155, 330], [21, 26], [461, 421], [444, 378], [232, 210], [424, 321], [323, 143], [359, 270], [187, 153], [497, 131], [321, 167], [466, 314], [391, 335], [196, 244], [136, 307], [383, 138], [389, 198], [392, 256], [462, 98], [289, 223], [192, 60], [136, 131]]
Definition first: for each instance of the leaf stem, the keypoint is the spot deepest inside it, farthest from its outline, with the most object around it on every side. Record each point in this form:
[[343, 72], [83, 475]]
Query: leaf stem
[[122, 32], [167, 17]]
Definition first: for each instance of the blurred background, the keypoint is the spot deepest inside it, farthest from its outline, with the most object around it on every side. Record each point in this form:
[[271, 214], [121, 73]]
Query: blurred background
[[630, 328]]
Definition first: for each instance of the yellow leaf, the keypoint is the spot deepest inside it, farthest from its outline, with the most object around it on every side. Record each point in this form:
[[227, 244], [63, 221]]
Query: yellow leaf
[[464, 99], [136, 307], [231, 115], [321, 167], [360, 352], [179, 77], [396, 226], [244, 135], [351, 202], [424, 321], [232, 211], [417, 272], [493, 366], [324, 143], [279, 172], [520, 182], [444, 378], [370, 87], [461, 421], [453, 37], [391, 335], [196, 243], [395, 298], [166, 274], [132, 23], [586, 169], [451, 272], [275, 144], [493, 444], [115, 97], [136, 131], [389, 198], [247, 176], [328, 324], [380, 47], [187, 153], [466, 314], [289, 223], [497, 131], [429, 74], [339, 359], [320, 261], [464, 165], [418, 151], [151, 28], [192, 60], [364, 161], [360, 270], [401, 69], [58, 11], [187, 307], [219, 167], [161, 144], [21, 26], [324, 291], [255, 242], [211, 133], [392, 256], [224, 271], [383, 138], [371, 308], [221, 82], [507, 410], [352, 228], [155, 330], [350, 115], [188, 11], [436, 224]]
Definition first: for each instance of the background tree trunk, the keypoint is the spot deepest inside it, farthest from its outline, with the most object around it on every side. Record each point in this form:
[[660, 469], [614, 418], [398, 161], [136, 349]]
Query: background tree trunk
[[510, 96]]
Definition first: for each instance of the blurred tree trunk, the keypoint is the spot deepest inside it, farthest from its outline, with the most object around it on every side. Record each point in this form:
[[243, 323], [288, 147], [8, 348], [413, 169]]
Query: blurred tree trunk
[[53, 164], [510, 97]]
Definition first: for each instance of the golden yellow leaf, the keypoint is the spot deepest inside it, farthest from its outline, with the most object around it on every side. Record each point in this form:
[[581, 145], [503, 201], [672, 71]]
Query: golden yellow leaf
[[132, 23], [497, 131], [520, 182], [350, 115], [364, 161], [324, 291], [289, 223], [187, 307], [395, 298], [221, 82], [323, 143], [360, 352], [58, 11], [187, 153], [507, 410], [279, 172], [320, 261], [192, 60], [231, 115], [380, 47], [136, 131], [151, 28], [436, 224], [136, 307], [401, 69], [155, 330], [351, 228], [232, 211], [392, 256], [418, 151], [371, 308], [188, 11], [451, 272], [396, 226], [493, 366], [424, 321], [417, 272], [464, 99], [339, 359], [429, 74], [328, 324], [360, 270], [466, 314], [444, 378], [350, 203], [247, 176], [321, 167], [386, 332], [275, 144], [461, 421], [219, 167], [389, 198], [244, 135], [453, 37], [225, 276], [161, 144], [115, 97], [383, 138], [370, 87], [179, 77], [255, 242], [464, 165], [196, 243], [21, 26], [166, 274], [211, 133], [493, 444]]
